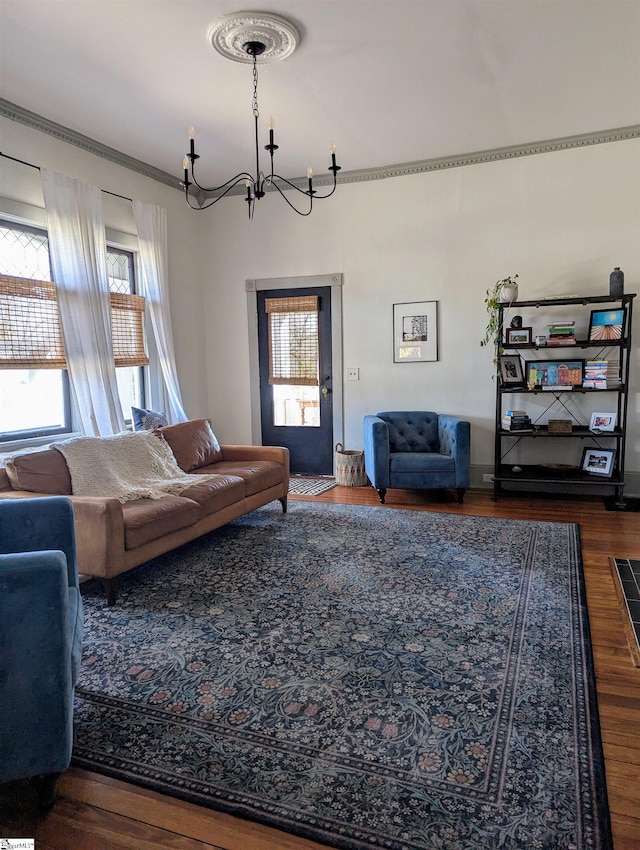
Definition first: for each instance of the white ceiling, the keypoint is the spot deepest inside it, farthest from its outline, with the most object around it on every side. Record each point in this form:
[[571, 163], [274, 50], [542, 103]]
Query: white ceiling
[[389, 81]]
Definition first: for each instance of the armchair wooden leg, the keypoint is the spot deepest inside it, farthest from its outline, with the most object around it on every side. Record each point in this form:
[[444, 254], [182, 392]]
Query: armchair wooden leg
[[460, 491], [44, 786], [382, 492], [283, 502]]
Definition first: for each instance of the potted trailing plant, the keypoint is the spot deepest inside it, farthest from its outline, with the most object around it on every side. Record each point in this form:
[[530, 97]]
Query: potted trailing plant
[[504, 291]]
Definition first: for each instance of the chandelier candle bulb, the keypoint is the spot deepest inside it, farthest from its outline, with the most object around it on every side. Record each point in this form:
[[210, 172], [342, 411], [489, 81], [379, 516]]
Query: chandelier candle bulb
[[310, 175], [185, 165], [192, 140]]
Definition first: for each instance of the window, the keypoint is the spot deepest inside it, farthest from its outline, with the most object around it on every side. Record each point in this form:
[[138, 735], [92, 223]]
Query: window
[[293, 359], [35, 397], [34, 401], [127, 326]]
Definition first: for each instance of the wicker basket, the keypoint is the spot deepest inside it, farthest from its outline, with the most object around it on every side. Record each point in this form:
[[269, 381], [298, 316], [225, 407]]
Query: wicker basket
[[350, 467]]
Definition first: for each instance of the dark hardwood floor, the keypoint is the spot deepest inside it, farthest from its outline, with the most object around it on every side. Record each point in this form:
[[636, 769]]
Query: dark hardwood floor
[[94, 812]]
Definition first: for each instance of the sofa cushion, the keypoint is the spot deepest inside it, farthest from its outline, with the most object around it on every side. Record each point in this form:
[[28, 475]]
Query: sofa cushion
[[193, 443], [258, 475], [40, 472], [215, 493], [148, 519]]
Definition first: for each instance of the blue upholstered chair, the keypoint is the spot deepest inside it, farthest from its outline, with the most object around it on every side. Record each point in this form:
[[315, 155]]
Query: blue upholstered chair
[[40, 639], [417, 449]]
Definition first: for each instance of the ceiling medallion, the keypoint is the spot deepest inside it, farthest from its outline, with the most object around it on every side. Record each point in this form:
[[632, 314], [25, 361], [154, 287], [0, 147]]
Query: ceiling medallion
[[231, 33]]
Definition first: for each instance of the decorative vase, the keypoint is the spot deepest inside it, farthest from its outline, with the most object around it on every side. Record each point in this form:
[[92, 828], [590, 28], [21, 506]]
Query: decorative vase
[[616, 283], [508, 293]]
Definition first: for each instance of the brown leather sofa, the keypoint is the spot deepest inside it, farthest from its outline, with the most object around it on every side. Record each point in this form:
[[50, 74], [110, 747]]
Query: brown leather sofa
[[113, 537]]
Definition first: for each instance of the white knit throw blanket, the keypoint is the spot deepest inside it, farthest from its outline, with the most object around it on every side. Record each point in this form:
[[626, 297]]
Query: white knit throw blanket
[[127, 466]]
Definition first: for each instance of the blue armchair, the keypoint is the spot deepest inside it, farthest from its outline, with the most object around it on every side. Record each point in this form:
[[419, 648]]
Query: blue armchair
[[41, 627], [417, 449]]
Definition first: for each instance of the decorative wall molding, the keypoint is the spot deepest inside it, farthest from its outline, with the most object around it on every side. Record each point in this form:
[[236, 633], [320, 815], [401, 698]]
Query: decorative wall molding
[[619, 134], [37, 122], [17, 113]]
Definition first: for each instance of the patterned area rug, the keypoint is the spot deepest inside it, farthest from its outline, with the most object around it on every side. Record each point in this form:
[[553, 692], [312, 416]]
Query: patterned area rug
[[365, 677], [310, 486]]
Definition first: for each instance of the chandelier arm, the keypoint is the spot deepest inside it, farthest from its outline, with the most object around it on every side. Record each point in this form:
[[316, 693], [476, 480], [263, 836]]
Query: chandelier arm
[[302, 191], [198, 208], [275, 177], [328, 195], [206, 205], [293, 207], [233, 181], [215, 200]]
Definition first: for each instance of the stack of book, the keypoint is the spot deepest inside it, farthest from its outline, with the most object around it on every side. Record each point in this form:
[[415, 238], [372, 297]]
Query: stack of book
[[595, 375], [562, 333], [613, 373], [516, 420]]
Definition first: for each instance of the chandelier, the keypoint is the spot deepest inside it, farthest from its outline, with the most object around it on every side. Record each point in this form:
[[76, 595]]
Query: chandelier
[[243, 37]]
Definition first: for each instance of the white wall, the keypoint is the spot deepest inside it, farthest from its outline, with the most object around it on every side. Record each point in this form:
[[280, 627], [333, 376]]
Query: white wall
[[561, 220]]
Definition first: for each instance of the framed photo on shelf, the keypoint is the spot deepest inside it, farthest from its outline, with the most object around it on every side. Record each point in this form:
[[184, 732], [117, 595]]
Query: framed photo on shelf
[[511, 373], [415, 331], [598, 461], [603, 422], [518, 336], [606, 324], [554, 373]]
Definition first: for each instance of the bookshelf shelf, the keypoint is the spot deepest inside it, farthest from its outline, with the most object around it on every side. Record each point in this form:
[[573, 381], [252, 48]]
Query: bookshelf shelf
[[609, 446]]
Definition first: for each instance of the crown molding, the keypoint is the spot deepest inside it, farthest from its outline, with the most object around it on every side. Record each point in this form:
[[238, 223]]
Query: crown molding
[[563, 143], [23, 116], [64, 134]]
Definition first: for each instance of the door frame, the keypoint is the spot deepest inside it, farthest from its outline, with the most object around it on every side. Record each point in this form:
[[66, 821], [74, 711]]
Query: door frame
[[252, 286]]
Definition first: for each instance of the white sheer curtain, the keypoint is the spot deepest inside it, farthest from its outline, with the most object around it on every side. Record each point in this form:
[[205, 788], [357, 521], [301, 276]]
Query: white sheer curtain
[[78, 250], [151, 222]]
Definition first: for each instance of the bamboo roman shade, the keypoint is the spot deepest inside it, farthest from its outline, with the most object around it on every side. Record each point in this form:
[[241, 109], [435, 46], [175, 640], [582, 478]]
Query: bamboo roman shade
[[30, 330], [30, 336], [127, 329], [293, 340]]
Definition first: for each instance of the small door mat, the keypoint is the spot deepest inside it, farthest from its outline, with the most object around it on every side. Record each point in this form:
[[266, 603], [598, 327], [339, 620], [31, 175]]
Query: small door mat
[[300, 486], [626, 578]]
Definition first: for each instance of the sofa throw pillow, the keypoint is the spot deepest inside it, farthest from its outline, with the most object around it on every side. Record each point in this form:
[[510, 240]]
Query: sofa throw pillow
[[193, 444], [147, 420]]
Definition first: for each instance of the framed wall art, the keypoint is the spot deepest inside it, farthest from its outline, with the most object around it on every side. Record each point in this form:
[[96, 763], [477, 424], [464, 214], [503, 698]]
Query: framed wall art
[[554, 373], [602, 422], [606, 324], [415, 331], [518, 336], [511, 373], [598, 461]]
